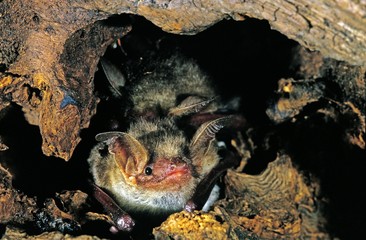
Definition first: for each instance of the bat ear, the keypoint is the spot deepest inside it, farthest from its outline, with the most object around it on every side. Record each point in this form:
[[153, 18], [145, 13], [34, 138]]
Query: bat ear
[[131, 157], [202, 139], [206, 132], [191, 104]]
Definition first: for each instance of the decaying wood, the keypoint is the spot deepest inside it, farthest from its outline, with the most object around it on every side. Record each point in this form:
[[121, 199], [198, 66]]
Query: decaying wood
[[283, 201], [15, 207], [49, 49], [18, 234], [279, 203], [333, 88], [51, 68]]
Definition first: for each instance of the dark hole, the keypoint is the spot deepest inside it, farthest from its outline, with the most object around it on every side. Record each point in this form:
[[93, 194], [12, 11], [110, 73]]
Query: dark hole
[[33, 92]]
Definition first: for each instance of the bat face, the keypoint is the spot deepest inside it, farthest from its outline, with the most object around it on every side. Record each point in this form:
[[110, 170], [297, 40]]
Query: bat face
[[164, 174], [153, 155]]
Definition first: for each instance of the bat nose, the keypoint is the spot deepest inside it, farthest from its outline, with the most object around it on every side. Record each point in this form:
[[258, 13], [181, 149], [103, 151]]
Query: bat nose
[[177, 163], [172, 166]]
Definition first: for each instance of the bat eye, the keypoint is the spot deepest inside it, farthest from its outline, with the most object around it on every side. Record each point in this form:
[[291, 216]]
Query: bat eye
[[148, 170]]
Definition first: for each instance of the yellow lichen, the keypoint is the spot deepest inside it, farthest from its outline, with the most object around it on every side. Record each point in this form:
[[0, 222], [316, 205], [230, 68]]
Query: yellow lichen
[[5, 81], [192, 225]]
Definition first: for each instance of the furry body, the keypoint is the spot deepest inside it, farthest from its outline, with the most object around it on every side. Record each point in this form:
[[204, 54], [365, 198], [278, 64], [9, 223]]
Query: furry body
[[163, 140], [155, 166]]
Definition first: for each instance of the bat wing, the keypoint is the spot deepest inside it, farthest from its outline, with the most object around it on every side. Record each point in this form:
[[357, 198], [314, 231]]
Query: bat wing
[[191, 104]]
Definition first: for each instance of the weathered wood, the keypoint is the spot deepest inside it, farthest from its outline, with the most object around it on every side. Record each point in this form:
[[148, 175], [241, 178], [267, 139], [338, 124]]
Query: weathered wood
[[15, 207], [14, 233], [49, 52], [49, 49], [18, 209], [51, 76], [337, 88], [276, 204]]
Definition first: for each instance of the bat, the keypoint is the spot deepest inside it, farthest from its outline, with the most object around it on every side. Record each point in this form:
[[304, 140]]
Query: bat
[[155, 166], [174, 86]]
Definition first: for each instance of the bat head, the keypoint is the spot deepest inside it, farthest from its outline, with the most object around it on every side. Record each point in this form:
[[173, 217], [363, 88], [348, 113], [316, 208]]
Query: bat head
[[154, 162], [157, 155]]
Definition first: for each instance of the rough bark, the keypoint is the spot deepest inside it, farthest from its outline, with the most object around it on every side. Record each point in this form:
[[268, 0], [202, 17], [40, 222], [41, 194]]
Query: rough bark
[[13, 233], [49, 49], [18, 209], [276, 204], [332, 88], [14, 206]]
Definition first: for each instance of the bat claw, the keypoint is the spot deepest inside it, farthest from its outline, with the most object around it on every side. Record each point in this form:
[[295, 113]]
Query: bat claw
[[125, 223], [190, 206], [113, 230]]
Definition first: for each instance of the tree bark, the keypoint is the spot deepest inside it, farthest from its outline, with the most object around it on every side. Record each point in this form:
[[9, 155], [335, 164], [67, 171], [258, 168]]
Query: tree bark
[[49, 50]]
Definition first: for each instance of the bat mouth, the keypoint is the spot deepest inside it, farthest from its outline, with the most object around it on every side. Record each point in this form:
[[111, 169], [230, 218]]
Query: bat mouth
[[178, 171], [170, 172]]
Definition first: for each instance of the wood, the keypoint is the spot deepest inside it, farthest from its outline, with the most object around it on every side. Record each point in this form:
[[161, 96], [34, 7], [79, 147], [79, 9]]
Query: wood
[[278, 203], [49, 50]]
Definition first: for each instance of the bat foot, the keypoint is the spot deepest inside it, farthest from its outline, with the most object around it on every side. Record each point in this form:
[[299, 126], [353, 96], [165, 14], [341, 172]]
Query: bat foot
[[190, 206], [124, 223]]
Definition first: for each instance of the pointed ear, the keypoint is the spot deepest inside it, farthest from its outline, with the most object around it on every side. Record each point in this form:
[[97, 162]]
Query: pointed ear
[[131, 157], [190, 105], [204, 135]]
